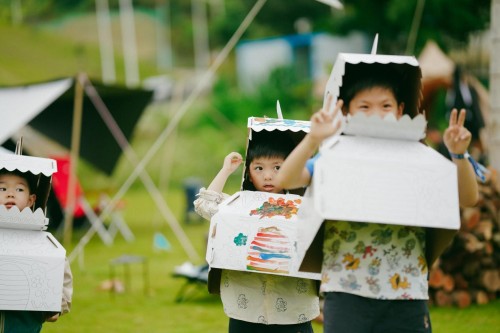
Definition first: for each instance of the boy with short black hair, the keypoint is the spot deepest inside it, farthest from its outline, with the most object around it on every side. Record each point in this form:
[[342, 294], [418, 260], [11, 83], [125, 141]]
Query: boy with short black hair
[[260, 302], [374, 276]]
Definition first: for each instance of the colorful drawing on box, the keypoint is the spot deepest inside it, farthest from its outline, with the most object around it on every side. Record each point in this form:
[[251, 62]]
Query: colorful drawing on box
[[286, 123], [240, 240], [269, 252], [279, 207]]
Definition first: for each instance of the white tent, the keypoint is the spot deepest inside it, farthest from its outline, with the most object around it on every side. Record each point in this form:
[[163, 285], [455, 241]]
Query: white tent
[[19, 105]]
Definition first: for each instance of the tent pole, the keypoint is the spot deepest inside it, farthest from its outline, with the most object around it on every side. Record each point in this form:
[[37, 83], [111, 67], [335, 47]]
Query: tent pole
[[208, 75], [75, 152]]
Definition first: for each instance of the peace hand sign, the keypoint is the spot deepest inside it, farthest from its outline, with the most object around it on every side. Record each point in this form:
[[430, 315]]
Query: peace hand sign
[[326, 122], [456, 137]]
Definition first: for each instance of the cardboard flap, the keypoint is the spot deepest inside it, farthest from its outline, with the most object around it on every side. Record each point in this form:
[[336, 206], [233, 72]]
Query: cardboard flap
[[24, 220], [258, 124], [386, 181], [35, 165], [404, 128]]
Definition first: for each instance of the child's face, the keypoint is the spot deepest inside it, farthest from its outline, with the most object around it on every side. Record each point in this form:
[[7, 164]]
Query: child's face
[[376, 101], [14, 191], [262, 172]]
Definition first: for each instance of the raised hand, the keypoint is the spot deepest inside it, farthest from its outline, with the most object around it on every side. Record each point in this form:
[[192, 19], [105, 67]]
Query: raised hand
[[326, 122], [231, 162], [456, 137]]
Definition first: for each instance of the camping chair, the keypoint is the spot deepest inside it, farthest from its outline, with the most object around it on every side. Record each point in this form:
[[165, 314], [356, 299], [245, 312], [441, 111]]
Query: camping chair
[[196, 280], [83, 209]]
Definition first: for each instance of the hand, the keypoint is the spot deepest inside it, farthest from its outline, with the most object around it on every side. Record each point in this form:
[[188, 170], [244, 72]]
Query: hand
[[231, 162], [52, 317], [326, 123], [456, 137]]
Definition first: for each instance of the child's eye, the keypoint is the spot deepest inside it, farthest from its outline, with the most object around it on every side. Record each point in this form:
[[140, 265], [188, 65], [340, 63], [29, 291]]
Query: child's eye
[[258, 168], [276, 168], [19, 189], [3, 189]]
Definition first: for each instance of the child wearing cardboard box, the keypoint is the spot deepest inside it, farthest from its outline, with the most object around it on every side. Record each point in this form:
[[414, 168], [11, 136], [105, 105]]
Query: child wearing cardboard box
[[260, 302], [17, 190], [374, 276]]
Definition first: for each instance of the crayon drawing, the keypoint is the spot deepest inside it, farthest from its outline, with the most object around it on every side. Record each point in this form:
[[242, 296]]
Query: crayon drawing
[[277, 207], [270, 251]]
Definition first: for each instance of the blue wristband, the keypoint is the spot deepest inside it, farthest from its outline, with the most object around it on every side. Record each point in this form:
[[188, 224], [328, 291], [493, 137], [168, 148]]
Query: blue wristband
[[458, 156], [479, 169]]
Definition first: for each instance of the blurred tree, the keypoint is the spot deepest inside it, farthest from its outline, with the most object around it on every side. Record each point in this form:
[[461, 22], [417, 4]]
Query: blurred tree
[[446, 21]]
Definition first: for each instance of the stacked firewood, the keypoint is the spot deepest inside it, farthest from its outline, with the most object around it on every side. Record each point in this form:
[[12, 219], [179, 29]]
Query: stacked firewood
[[468, 272]]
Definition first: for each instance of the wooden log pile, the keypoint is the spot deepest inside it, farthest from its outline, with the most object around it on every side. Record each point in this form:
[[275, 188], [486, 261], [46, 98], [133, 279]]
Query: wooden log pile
[[468, 272]]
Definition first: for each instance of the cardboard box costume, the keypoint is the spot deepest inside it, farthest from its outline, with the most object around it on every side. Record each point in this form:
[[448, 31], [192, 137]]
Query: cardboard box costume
[[378, 171], [257, 231], [31, 259]]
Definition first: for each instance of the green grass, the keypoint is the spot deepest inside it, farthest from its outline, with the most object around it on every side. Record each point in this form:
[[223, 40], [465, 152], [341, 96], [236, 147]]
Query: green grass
[[97, 311]]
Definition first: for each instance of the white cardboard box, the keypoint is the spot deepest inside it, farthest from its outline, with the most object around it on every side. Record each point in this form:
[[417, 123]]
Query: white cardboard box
[[31, 270], [42, 168], [256, 232], [31, 260], [379, 180]]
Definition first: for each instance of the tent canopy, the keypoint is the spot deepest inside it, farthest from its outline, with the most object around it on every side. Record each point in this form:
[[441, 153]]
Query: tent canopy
[[48, 108]]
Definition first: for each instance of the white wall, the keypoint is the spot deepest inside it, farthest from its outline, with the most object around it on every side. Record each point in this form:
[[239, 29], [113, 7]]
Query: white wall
[[256, 59]]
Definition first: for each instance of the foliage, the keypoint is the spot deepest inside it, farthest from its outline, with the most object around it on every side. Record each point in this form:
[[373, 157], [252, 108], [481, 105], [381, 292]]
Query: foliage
[[294, 95], [447, 21]]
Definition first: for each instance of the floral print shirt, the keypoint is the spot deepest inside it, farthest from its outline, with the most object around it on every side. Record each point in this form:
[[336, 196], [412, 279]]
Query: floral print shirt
[[374, 260], [261, 298]]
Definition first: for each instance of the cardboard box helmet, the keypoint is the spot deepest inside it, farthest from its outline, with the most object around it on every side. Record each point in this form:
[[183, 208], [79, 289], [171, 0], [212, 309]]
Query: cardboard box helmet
[[354, 71], [38, 172], [270, 137]]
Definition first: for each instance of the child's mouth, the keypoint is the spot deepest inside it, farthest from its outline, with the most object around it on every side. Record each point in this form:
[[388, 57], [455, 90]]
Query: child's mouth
[[268, 188], [9, 205]]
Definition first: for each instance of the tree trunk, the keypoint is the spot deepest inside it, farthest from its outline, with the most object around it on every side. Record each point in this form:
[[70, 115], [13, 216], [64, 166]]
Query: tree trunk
[[493, 129]]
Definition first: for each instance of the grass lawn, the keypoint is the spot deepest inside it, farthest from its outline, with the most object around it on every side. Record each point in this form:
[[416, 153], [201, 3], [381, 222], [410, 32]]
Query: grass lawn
[[97, 311]]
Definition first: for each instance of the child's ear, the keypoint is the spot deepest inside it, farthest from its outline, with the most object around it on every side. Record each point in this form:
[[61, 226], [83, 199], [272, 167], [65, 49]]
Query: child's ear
[[401, 108], [31, 200], [345, 109]]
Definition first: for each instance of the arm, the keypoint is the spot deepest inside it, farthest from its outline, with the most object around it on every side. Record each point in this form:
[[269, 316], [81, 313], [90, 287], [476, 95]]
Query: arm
[[207, 203], [67, 294], [231, 162], [324, 124], [457, 139]]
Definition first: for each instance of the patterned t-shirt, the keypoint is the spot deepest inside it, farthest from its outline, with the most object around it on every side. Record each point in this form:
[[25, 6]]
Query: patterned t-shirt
[[374, 260]]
